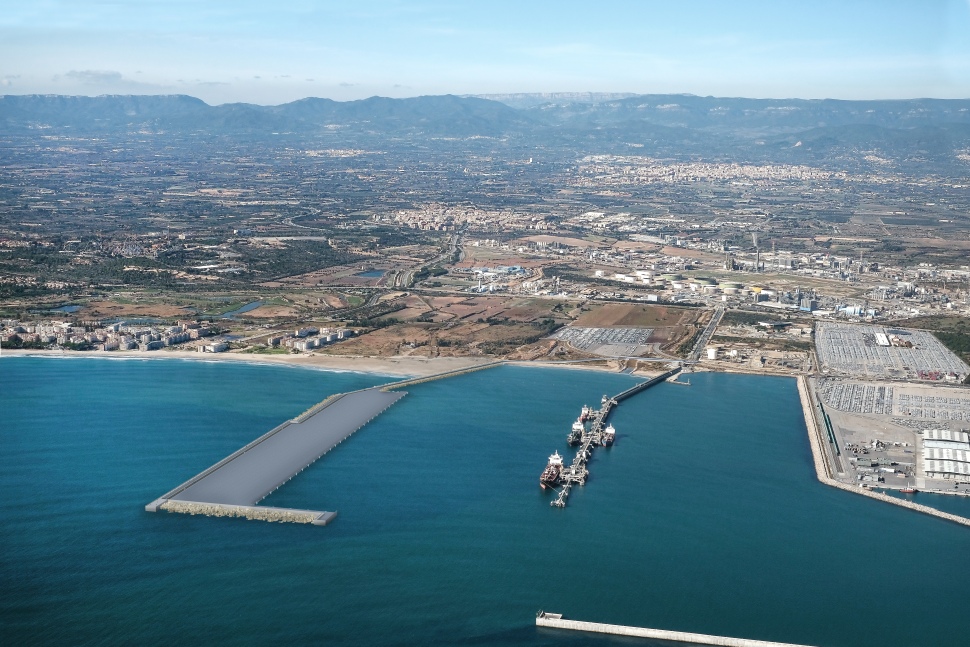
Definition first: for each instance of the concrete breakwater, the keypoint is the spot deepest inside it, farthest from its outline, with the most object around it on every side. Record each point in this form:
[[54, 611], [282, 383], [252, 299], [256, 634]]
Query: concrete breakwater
[[233, 486], [439, 376], [556, 621], [263, 513], [823, 469]]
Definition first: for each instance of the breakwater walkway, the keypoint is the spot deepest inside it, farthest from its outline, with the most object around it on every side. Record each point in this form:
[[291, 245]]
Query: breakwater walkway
[[556, 621], [819, 440], [235, 485]]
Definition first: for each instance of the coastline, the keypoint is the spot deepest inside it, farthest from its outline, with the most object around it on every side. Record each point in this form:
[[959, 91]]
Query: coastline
[[390, 366]]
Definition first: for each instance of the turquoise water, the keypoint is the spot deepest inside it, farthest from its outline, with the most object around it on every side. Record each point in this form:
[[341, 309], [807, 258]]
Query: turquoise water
[[705, 516]]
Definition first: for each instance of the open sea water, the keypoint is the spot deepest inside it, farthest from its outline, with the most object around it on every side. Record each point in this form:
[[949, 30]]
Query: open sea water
[[705, 516]]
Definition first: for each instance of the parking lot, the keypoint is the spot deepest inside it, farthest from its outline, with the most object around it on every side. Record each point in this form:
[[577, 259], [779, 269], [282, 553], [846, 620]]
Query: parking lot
[[930, 403], [612, 342], [853, 350]]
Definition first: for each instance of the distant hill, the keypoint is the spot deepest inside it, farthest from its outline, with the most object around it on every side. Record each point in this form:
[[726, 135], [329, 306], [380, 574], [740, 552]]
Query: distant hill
[[928, 132], [754, 116], [434, 115], [532, 99]]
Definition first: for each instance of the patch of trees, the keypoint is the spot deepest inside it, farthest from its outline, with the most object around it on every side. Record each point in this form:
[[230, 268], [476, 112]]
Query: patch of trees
[[958, 342]]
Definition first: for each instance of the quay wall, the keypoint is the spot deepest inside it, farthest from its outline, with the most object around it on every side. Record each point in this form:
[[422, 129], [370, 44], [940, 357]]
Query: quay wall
[[656, 634], [824, 471]]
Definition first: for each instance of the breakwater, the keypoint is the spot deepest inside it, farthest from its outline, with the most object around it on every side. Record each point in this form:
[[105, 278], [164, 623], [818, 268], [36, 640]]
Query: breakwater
[[556, 621], [824, 468], [233, 486], [261, 513], [439, 376]]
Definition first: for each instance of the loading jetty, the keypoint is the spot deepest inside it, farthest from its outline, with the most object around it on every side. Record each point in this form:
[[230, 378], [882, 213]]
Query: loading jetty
[[235, 485], [597, 434], [556, 621]]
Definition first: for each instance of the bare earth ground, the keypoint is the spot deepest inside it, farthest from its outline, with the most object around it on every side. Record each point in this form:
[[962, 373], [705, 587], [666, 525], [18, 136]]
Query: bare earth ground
[[671, 325], [273, 312], [107, 309], [635, 315]]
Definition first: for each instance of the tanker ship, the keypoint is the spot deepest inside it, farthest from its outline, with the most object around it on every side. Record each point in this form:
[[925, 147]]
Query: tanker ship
[[553, 473]]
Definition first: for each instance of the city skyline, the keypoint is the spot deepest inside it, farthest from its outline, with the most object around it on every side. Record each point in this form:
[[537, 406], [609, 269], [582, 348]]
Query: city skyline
[[246, 52]]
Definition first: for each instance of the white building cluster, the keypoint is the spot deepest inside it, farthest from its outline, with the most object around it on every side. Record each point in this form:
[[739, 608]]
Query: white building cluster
[[617, 170], [306, 339], [116, 336], [441, 217]]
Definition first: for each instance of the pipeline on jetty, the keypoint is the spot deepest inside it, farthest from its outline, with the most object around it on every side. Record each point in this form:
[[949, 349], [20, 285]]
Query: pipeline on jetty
[[589, 439], [556, 621]]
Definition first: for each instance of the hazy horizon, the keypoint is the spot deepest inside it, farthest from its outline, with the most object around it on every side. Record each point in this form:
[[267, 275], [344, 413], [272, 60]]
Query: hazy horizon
[[248, 52], [496, 96]]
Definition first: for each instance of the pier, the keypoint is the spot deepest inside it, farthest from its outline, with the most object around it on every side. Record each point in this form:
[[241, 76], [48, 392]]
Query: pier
[[235, 485], [556, 621], [440, 376], [593, 437]]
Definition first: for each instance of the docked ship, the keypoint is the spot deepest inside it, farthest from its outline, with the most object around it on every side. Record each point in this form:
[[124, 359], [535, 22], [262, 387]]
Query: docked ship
[[553, 473], [609, 435], [585, 414], [576, 434]]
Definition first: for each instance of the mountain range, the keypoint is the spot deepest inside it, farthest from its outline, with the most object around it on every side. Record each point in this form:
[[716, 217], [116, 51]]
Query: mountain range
[[914, 130]]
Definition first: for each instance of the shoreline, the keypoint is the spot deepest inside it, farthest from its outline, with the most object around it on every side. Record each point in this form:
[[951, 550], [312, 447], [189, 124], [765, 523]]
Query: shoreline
[[399, 366]]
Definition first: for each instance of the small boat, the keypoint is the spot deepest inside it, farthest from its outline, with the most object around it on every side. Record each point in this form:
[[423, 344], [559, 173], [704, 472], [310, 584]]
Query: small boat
[[908, 490], [553, 473]]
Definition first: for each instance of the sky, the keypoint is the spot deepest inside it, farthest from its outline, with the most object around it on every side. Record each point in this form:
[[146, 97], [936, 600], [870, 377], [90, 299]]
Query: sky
[[265, 52]]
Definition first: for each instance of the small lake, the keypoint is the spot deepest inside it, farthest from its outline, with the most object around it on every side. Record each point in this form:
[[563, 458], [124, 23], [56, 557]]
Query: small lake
[[370, 274], [246, 308]]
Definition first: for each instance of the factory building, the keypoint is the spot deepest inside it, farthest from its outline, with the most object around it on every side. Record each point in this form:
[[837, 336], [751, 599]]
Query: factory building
[[946, 454]]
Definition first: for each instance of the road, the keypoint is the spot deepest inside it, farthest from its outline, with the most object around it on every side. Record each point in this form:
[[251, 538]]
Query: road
[[706, 335]]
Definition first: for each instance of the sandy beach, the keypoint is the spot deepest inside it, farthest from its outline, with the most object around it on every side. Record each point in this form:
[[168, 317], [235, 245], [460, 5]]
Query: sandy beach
[[394, 366], [391, 366]]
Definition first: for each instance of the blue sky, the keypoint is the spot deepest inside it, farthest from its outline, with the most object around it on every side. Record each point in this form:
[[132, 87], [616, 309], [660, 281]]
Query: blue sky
[[273, 52]]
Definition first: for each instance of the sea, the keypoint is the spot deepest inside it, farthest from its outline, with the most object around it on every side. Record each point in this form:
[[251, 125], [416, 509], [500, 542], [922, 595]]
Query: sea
[[705, 516]]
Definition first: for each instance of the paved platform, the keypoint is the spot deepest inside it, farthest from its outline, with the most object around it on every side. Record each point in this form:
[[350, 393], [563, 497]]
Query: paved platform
[[246, 477]]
